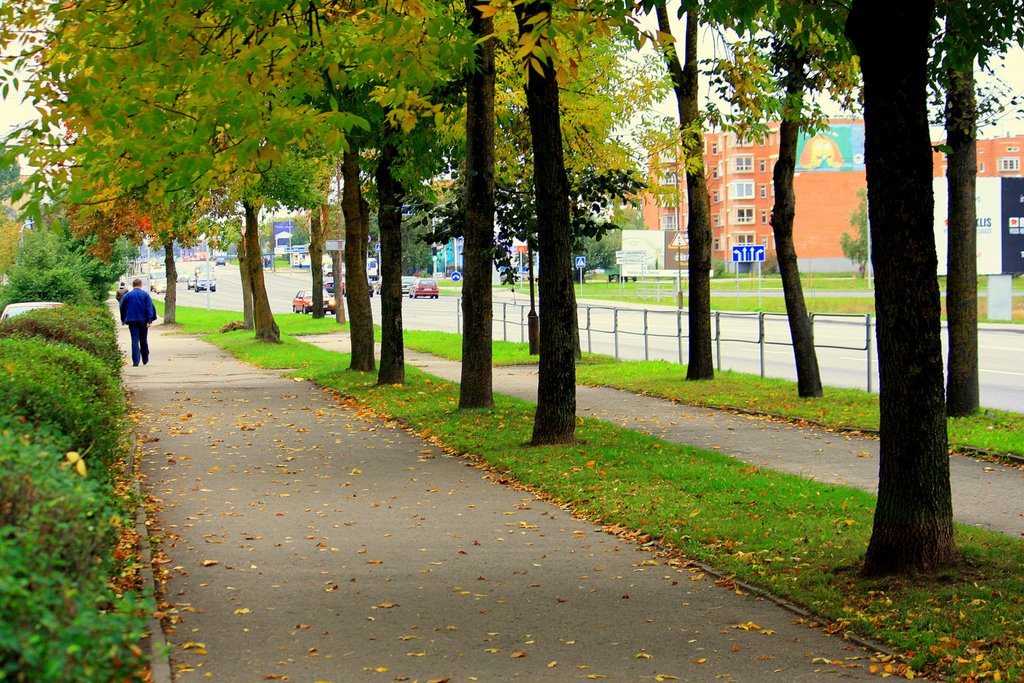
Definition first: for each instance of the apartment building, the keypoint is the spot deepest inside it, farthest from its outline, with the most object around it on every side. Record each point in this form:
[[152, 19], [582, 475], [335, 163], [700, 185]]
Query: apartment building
[[828, 174]]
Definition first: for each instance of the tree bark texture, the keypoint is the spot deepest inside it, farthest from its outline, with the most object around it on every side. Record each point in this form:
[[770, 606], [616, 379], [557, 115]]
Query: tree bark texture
[[317, 238], [263, 318], [357, 229], [555, 419], [962, 391], [171, 295], [243, 271], [389, 217], [475, 390], [700, 363], [913, 524], [783, 213]]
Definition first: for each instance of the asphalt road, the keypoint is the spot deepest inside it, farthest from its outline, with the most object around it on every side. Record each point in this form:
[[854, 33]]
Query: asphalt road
[[842, 340]]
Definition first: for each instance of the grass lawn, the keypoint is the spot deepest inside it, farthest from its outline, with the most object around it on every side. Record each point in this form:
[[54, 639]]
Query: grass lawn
[[799, 539]]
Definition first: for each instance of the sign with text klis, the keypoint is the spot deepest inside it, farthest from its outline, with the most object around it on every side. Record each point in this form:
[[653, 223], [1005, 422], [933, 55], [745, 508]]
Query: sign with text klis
[[1013, 225], [999, 212]]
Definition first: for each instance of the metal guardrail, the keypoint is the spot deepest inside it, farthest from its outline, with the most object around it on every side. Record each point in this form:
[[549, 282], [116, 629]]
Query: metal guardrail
[[670, 327]]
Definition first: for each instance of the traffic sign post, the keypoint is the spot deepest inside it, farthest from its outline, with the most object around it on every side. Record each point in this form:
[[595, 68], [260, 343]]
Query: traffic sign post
[[581, 265], [748, 253], [456, 276]]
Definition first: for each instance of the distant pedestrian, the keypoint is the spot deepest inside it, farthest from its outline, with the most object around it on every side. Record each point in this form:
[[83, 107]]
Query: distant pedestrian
[[138, 313], [121, 292]]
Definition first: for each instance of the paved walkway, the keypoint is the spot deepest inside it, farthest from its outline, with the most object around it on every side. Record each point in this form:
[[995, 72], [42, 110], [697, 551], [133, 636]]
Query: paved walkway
[[306, 542]]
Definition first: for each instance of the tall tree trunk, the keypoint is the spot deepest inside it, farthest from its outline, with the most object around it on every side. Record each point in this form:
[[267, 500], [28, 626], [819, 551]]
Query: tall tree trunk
[[913, 525], [700, 364], [962, 392], [475, 390], [243, 271], [555, 419], [263, 318], [389, 216], [357, 228], [806, 358], [171, 294], [317, 237]]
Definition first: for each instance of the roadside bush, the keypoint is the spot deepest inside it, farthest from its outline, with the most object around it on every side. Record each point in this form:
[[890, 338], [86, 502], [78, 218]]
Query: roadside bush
[[88, 328], [64, 394], [59, 619]]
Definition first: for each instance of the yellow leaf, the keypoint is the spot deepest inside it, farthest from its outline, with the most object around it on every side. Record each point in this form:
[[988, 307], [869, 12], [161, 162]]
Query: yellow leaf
[[80, 467], [641, 655], [243, 610], [356, 470], [487, 11]]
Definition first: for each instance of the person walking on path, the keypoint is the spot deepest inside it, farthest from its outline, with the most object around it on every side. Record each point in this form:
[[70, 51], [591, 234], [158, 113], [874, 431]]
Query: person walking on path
[[138, 313], [121, 292]]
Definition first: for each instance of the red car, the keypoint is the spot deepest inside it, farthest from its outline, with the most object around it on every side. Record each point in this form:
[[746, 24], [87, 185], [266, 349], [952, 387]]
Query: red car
[[303, 301], [424, 287]]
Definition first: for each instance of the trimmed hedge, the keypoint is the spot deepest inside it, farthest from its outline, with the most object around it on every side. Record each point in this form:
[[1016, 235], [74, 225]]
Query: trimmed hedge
[[59, 620], [89, 328], [60, 390], [66, 395]]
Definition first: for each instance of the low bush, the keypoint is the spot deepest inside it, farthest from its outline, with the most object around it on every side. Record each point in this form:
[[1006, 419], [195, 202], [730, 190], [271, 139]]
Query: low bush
[[59, 618], [88, 328], [63, 394]]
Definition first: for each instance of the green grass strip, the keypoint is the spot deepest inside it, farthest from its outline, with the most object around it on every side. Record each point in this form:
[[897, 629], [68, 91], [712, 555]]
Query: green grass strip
[[799, 539]]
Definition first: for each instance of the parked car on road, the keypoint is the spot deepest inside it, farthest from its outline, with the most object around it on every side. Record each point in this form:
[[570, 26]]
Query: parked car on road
[[407, 282], [302, 302], [202, 283], [158, 285], [424, 287], [12, 310], [221, 261]]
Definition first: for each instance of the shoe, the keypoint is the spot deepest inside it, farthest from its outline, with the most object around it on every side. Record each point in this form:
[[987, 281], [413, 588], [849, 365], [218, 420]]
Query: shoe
[[135, 365]]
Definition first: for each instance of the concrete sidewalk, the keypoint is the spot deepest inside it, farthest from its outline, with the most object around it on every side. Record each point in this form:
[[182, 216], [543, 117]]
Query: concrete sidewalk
[[306, 542]]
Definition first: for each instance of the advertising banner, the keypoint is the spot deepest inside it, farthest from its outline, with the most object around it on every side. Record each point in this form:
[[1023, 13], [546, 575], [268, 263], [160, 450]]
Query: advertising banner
[[840, 147]]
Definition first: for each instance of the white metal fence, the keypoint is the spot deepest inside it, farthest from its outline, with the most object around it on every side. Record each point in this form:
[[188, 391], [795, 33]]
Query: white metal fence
[[642, 334]]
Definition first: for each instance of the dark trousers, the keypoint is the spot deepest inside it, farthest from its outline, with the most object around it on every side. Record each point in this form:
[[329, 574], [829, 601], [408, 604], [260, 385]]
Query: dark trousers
[[140, 341]]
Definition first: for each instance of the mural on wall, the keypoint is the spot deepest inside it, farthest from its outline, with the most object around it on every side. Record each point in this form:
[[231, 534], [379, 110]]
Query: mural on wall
[[840, 147]]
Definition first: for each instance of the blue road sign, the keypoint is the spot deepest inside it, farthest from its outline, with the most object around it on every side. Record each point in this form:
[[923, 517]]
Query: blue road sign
[[456, 276], [748, 253], [581, 262]]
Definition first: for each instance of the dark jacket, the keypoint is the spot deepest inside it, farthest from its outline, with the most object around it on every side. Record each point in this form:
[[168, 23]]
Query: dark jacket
[[137, 306]]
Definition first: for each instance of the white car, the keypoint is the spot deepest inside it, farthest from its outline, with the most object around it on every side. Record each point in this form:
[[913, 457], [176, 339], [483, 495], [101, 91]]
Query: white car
[[12, 310]]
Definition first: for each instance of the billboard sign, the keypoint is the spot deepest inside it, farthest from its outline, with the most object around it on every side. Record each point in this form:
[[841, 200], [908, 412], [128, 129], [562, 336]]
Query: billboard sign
[[840, 147], [1000, 225]]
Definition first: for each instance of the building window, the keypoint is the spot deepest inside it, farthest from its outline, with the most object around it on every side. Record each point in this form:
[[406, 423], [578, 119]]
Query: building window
[[717, 220], [981, 167], [745, 215], [742, 238], [715, 196], [1013, 149], [744, 164], [718, 244], [668, 221], [1009, 165], [714, 148], [763, 165], [764, 216], [714, 172], [743, 189], [764, 191], [669, 179]]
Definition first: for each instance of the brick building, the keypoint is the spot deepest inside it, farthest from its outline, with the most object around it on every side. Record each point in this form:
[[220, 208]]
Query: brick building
[[829, 172]]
